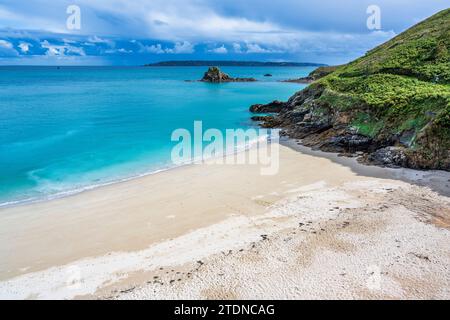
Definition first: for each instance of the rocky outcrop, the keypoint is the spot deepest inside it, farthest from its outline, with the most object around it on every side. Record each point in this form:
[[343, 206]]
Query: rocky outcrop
[[305, 80], [351, 142], [314, 75], [390, 157], [389, 108], [214, 75], [267, 121], [272, 107], [260, 118], [321, 126]]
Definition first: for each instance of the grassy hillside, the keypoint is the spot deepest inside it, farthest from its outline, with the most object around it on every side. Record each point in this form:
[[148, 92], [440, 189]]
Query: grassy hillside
[[398, 94], [421, 52]]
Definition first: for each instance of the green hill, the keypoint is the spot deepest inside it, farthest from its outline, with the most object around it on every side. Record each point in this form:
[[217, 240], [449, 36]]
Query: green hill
[[393, 103]]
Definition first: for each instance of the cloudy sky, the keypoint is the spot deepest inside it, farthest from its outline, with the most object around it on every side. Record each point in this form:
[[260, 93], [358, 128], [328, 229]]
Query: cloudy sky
[[125, 32]]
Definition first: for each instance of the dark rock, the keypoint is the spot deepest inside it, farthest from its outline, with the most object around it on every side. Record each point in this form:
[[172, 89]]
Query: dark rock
[[304, 80], [323, 126], [314, 75], [271, 122], [260, 118], [214, 75], [352, 142], [389, 156], [267, 75], [267, 121], [273, 107]]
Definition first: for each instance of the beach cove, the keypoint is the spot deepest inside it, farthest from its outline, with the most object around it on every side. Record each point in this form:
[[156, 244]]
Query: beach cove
[[315, 230], [68, 129]]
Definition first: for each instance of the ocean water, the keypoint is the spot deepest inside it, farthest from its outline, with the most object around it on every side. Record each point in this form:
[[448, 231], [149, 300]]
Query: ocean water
[[69, 129]]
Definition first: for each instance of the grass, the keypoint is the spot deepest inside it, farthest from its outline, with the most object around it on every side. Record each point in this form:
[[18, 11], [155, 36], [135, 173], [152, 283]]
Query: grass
[[400, 86], [421, 52], [366, 125]]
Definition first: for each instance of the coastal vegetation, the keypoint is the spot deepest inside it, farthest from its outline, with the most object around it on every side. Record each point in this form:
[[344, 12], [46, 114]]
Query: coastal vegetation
[[393, 103], [316, 74]]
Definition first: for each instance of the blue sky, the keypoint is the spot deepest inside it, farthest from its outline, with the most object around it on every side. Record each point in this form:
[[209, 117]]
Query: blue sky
[[125, 32]]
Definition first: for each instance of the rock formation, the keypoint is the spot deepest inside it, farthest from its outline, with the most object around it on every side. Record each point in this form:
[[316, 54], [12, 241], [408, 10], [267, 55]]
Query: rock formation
[[314, 75], [214, 75], [272, 107], [392, 107]]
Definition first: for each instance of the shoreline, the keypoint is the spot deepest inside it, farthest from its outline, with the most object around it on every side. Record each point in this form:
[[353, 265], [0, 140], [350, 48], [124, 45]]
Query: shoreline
[[119, 197], [93, 234], [437, 180], [76, 191]]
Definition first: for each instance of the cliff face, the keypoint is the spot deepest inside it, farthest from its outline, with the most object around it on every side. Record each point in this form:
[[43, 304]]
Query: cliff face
[[393, 104]]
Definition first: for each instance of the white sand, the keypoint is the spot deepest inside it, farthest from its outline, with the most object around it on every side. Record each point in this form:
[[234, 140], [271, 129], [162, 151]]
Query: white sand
[[227, 232], [383, 250]]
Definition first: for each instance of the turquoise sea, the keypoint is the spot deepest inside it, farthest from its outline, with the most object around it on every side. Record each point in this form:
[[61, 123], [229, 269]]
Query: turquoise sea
[[68, 129]]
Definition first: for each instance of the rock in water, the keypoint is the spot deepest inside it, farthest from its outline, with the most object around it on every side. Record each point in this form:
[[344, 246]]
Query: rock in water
[[214, 75], [272, 107]]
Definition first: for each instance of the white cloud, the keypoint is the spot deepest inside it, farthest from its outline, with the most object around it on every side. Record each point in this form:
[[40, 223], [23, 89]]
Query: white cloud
[[237, 48], [75, 50], [256, 48], [98, 40], [156, 48], [219, 50], [121, 50], [61, 50], [6, 44], [185, 23], [181, 47], [177, 20], [24, 47], [7, 49], [178, 48]]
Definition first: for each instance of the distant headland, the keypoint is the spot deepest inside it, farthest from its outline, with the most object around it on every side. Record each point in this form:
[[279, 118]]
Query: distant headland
[[230, 63]]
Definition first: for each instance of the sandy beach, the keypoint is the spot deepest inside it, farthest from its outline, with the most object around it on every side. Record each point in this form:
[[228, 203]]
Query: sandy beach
[[317, 229]]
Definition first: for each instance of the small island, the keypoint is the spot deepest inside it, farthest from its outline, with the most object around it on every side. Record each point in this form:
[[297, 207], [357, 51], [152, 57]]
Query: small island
[[214, 75]]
